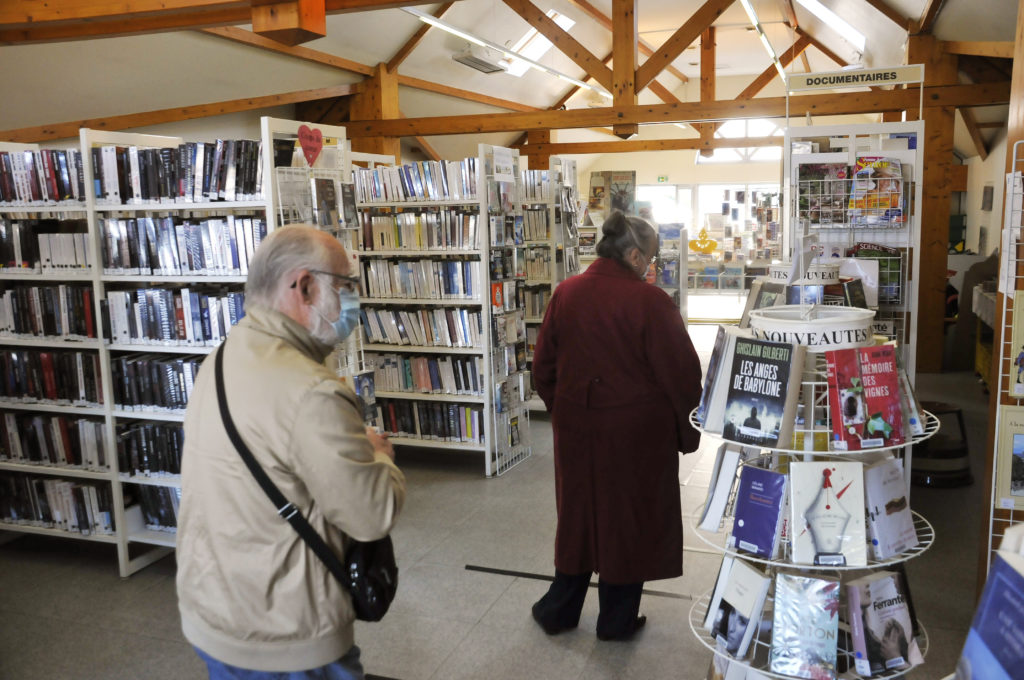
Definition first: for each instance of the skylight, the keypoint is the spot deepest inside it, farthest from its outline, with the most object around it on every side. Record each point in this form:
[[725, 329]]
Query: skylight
[[533, 45], [855, 37]]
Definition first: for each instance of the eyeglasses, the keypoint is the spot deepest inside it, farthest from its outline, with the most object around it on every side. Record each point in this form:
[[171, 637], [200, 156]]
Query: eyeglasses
[[349, 282]]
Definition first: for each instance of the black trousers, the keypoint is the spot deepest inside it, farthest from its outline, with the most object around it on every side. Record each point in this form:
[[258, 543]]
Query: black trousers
[[561, 605]]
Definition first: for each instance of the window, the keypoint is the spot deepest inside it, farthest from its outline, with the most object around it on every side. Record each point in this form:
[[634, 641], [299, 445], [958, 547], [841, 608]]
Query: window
[[737, 129], [533, 45]]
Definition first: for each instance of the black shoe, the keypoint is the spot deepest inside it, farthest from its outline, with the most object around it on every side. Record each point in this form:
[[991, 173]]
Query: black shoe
[[640, 622], [548, 628]]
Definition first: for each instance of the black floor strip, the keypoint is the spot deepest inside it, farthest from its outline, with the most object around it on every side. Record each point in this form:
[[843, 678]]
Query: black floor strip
[[370, 676], [544, 577]]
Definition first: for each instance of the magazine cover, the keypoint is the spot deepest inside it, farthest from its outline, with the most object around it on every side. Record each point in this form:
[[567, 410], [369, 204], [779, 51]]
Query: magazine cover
[[1010, 466], [824, 188], [827, 513], [805, 626], [890, 265], [876, 198]]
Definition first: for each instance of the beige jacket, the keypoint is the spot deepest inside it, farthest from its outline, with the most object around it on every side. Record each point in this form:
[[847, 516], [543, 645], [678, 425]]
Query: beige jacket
[[250, 593]]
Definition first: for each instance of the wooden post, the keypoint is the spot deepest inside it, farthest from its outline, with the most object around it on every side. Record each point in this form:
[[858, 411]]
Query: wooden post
[[939, 69], [289, 21], [624, 55], [539, 161], [377, 101], [707, 86]]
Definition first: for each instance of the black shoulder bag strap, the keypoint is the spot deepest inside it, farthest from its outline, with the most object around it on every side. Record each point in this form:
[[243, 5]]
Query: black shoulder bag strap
[[284, 507]]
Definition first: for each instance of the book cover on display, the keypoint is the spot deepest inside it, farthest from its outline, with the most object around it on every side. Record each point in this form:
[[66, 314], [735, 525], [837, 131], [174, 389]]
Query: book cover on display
[[764, 382], [876, 198], [864, 398], [827, 513], [758, 512], [1010, 463], [890, 523], [1017, 352], [738, 612], [992, 650], [881, 628], [805, 626]]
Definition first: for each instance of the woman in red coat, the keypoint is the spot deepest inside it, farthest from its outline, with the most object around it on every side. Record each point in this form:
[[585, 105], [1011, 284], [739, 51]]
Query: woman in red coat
[[616, 369]]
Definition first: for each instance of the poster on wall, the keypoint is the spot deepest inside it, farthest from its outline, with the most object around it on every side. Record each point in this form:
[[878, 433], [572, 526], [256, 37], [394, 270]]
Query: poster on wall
[[622, 191]]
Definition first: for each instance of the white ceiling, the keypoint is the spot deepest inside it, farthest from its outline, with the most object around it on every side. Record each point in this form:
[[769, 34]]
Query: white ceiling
[[67, 81]]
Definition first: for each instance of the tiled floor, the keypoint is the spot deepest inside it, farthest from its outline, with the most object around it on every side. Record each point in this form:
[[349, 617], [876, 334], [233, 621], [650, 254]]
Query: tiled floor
[[64, 613]]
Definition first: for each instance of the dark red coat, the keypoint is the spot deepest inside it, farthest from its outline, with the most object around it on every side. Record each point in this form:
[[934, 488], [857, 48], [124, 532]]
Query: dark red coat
[[618, 372]]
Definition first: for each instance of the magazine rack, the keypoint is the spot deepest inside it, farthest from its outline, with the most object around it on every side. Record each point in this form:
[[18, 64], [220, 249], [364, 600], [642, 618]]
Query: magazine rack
[[814, 433]]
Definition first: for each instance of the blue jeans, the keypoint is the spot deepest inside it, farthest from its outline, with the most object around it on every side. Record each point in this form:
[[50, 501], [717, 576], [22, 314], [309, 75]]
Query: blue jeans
[[347, 667]]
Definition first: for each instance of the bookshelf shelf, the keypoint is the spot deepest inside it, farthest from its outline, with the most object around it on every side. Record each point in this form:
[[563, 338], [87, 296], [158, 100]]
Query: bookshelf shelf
[[56, 470], [212, 206], [474, 202], [60, 533], [377, 347], [42, 209], [54, 342], [427, 396], [444, 302], [169, 416], [409, 252], [166, 539], [51, 408], [161, 348], [195, 278], [7, 275], [436, 444], [172, 481]]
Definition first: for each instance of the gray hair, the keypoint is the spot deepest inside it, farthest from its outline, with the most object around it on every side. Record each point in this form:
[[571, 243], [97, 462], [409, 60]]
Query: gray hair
[[282, 253], [621, 233]]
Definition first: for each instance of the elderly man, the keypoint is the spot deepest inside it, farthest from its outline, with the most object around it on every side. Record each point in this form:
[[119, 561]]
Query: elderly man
[[255, 601]]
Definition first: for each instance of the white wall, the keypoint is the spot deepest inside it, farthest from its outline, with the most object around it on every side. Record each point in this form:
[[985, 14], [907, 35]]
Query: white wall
[[990, 172]]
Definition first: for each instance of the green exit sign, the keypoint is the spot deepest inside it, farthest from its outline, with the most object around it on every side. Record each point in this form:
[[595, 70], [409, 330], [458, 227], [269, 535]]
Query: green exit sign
[[662, 179]]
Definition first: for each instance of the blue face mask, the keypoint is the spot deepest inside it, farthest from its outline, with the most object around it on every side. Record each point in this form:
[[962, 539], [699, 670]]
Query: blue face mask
[[348, 316]]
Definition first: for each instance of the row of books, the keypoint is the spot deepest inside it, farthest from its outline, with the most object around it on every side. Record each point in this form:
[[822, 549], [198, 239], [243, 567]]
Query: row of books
[[56, 377], [431, 420], [193, 172], [536, 185], [149, 382], [803, 623], [536, 301], [507, 295], [181, 316], [42, 177], [752, 386], [425, 279], [427, 374], [47, 246], [159, 507], [781, 515], [849, 292], [508, 328], [507, 263], [535, 224], [150, 448], [442, 327], [61, 311], [56, 440], [165, 246], [420, 181], [538, 263], [421, 229], [81, 507]]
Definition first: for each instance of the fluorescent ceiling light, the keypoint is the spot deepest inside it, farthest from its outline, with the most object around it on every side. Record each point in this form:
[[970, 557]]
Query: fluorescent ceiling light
[[445, 26], [749, 9], [533, 45], [840, 26]]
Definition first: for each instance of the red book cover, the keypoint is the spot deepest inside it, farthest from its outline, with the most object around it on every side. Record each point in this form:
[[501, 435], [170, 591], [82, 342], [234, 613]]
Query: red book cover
[[880, 378], [49, 377], [497, 296], [90, 330], [179, 317], [50, 161], [846, 398]]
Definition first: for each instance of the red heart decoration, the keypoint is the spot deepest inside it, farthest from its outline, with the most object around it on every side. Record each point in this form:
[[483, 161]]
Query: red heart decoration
[[312, 142]]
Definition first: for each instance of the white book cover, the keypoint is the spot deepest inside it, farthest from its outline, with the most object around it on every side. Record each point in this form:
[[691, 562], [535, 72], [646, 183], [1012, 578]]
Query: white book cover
[[739, 611], [827, 513], [890, 522]]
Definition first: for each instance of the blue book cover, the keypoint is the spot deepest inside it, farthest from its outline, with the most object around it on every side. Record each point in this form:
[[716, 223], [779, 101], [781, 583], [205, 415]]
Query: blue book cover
[[992, 650], [759, 502]]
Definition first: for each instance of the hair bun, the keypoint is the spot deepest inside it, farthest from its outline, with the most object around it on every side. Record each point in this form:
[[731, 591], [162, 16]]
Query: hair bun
[[615, 225]]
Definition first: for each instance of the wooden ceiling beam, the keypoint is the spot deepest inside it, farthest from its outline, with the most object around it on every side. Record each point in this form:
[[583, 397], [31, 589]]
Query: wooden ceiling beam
[[992, 124], [983, 69], [906, 23], [32, 21], [988, 94], [822, 47], [413, 41], [429, 150], [972, 129], [565, 43], [289, 21], [601, 18], [771, 73], [931, 13], [789, 14], [624, 55], [251, 39], [68, 129], [707, 86], [680, 40], [992, 48], [634, 145]]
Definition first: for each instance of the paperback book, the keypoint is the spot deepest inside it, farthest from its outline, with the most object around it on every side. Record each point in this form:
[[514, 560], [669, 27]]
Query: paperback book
[[761, 398], [881, 627], [827, 513], [864, 398], [758, 513], [737, 613], [992, 649], [890, 523], [805, 626]]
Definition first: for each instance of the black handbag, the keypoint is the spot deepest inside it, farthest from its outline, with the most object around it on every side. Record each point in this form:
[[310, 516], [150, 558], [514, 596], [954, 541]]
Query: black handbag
[[369, 574]]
